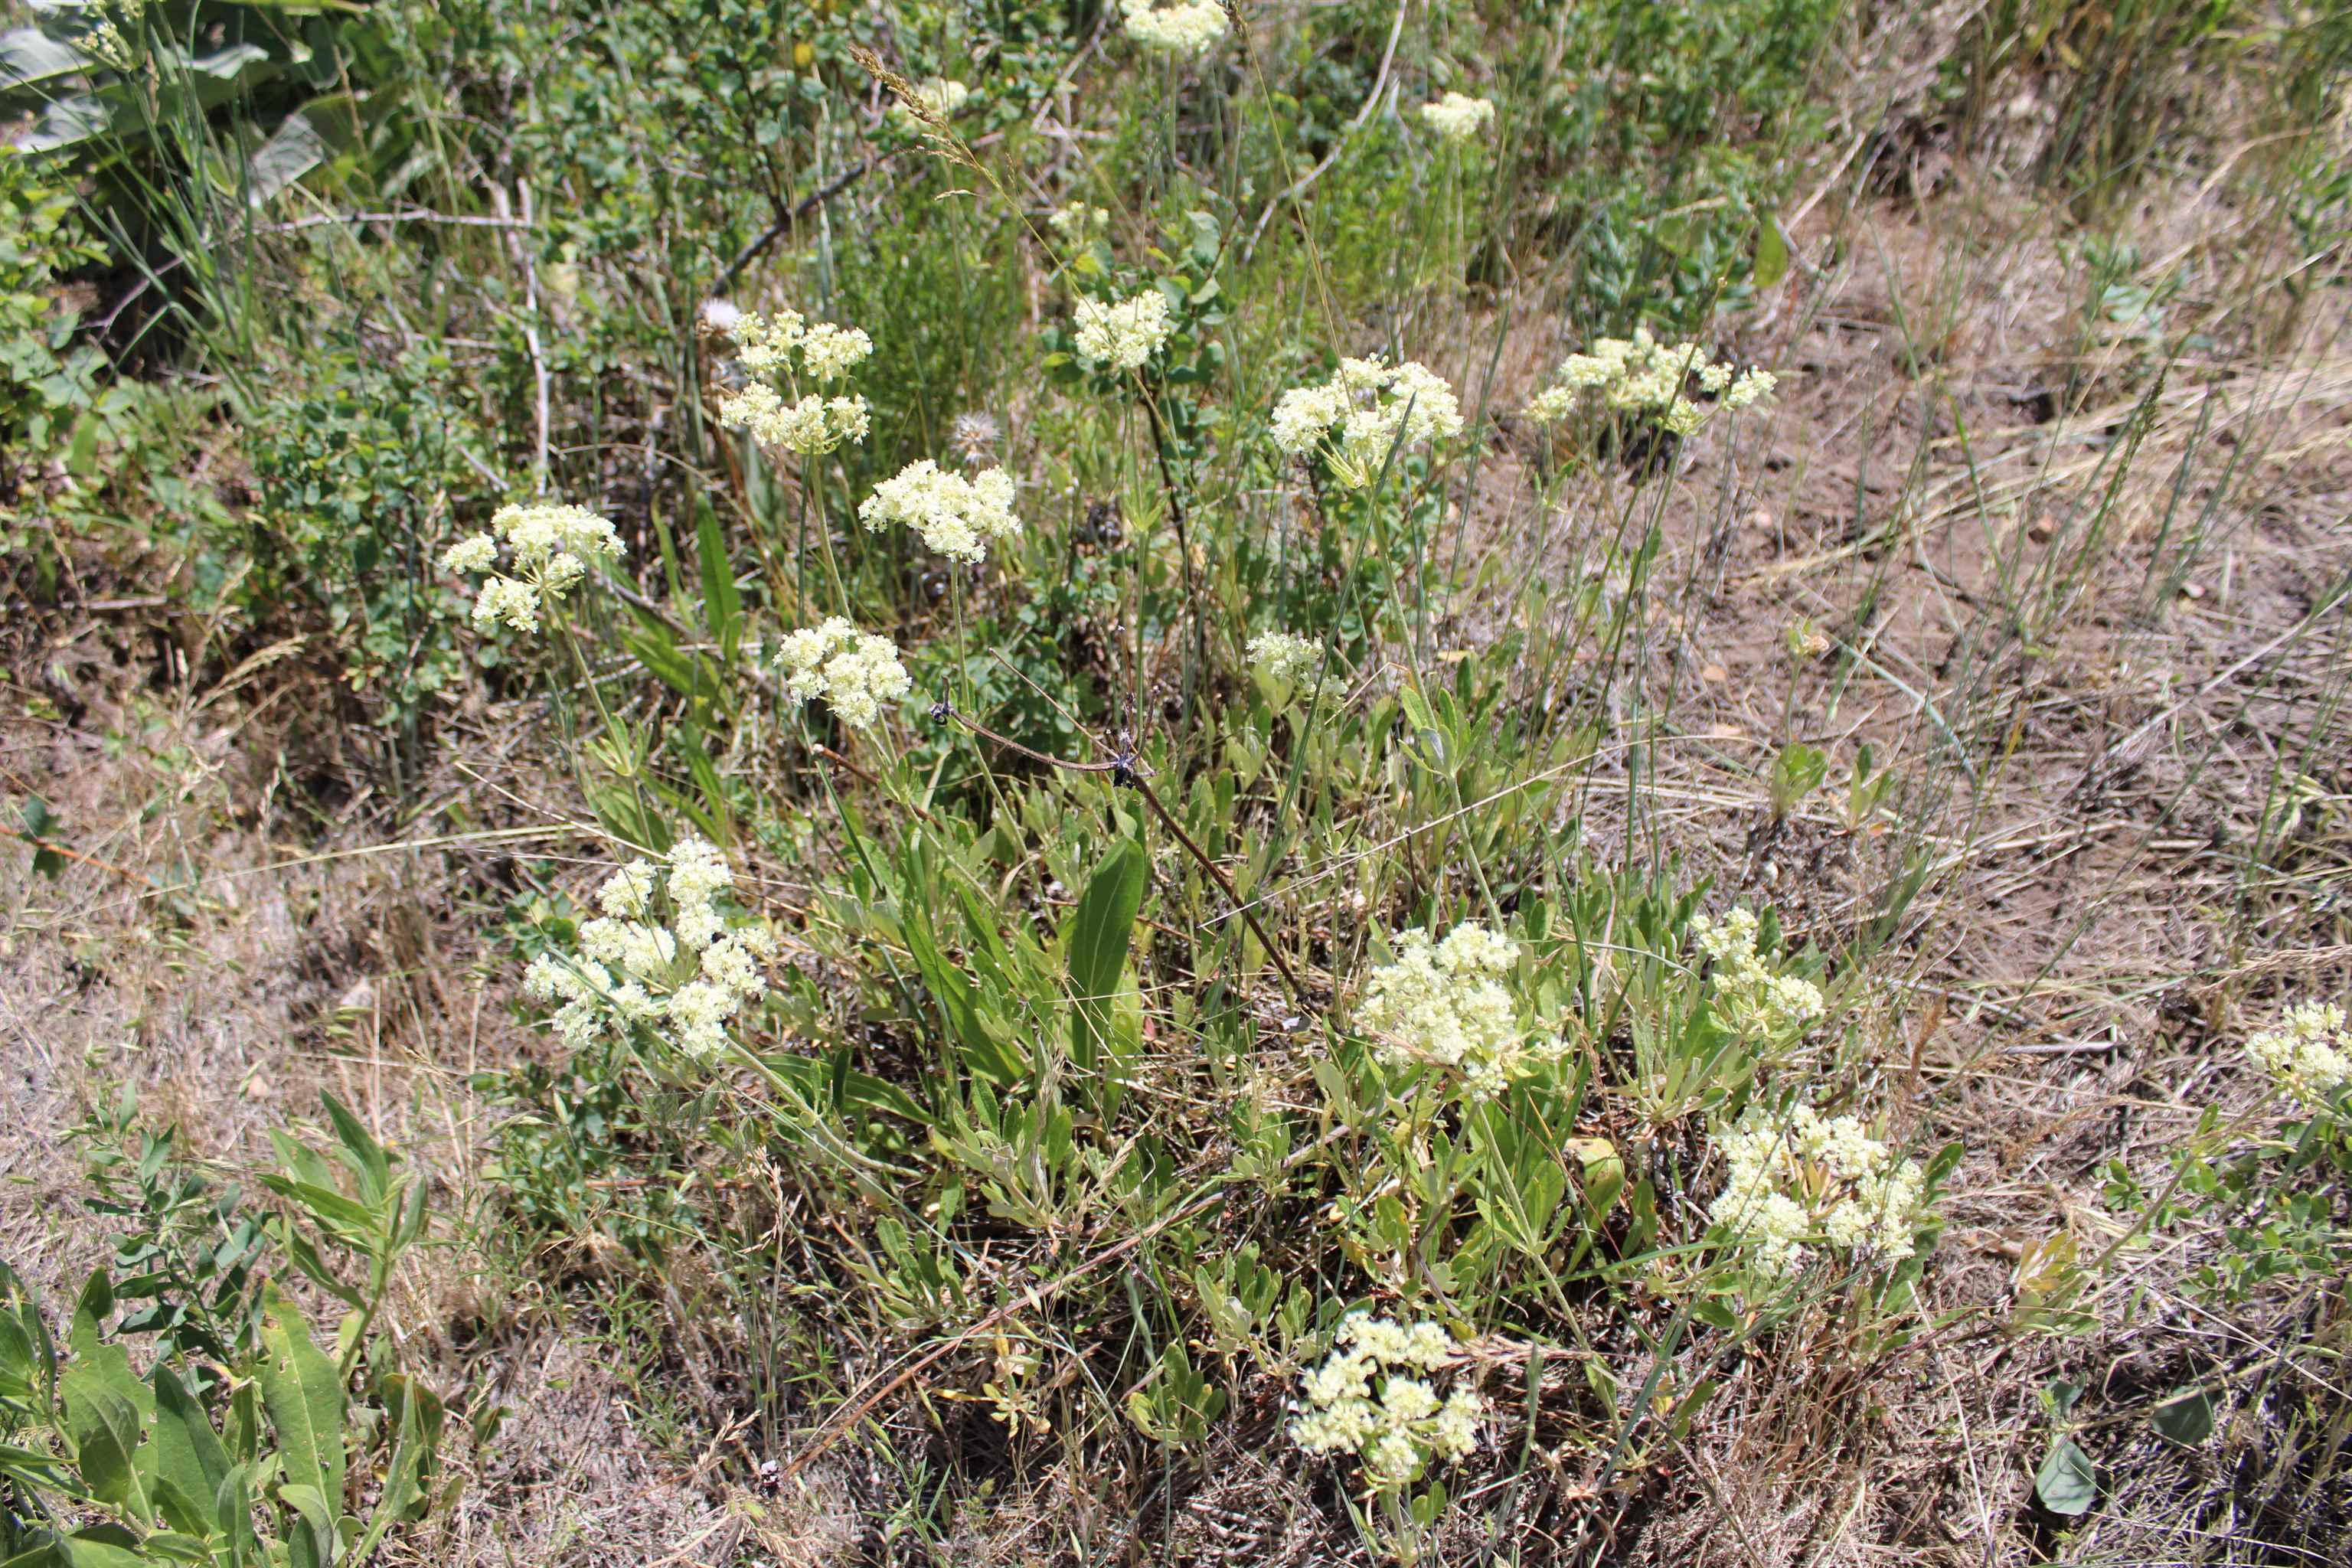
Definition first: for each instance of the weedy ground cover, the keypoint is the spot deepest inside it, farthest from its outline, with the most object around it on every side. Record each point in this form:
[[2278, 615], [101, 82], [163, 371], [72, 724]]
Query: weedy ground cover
[[1156, 782]]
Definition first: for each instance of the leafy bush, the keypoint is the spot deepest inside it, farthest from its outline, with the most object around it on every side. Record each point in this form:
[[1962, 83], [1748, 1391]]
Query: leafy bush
[[241, 1443]]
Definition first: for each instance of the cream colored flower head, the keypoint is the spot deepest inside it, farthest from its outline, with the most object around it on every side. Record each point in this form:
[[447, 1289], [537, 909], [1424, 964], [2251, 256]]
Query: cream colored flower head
[[1650, 379], [859, 674], [1285, 656], [1753, 995], [784, 357], [1375, 1397], [1365, 411], [546, 548], [1175, 27], [2309, 1055], [1446, 1004], [1457, 117], [958, 517], [1123, 335], [1802, 1183], [663, 960]]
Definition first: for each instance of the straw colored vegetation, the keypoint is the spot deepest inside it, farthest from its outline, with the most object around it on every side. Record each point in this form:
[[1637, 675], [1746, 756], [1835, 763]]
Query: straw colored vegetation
[[1064, 783]]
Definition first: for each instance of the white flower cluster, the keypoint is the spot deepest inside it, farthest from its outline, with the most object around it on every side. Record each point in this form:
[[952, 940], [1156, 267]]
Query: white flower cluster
[[1363, 411], [856, 672], [1641, 375], [778, 353], [1443, 1002], [683, 979], [1397, 1431], [2310, 1053], [1795, 1181], [956, 516], [1750, 996], [1078, 223], [550, 545], [1183, 28], [1126, 334], [1457, 117], [1285, 656]]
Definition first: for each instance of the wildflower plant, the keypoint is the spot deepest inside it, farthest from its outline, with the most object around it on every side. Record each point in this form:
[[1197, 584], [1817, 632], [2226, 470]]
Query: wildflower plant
[[666, 959], [1751, 995], [1445, 1004], [957, 517], [859, 674], [1649, 381], [791, 364], [1286, 657], [1367, 410], [1801, 1185], [1375, 1398], [533, 555], [2308, 1056], [1185, 27], [1124, 334], [1457, 118]]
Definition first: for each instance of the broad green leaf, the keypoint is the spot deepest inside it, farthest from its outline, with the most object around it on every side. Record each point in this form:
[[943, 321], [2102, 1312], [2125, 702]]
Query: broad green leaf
[[1771, 253], [366, 1156], [29, 56], [304, 1395], [722, 607], [104, 1428], [2068, 1482], [2187, 1417], [188, 1455], [293, 149], [1100, 931]]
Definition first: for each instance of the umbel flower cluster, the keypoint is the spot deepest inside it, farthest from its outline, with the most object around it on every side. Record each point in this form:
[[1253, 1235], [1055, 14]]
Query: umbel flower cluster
[[1457, 117], [1368, 1400], [1750, 996], [1642, 376], [1443, 1002], [1182, 27], [1124, 335], [856, 672], [956, 516], [2310, 1053], [1803, 1180], [1285, 656], [785, 356], [548, 548], [1366, 410], [662, 957]]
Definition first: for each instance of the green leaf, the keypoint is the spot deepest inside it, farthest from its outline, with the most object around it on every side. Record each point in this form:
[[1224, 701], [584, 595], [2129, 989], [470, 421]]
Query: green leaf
[[1771, 253], [366, 1156], [2187, 1417], [2068, 1483], [722, 607], [1098, 933], [304, 1395], [104, 1427], [188, 1456]]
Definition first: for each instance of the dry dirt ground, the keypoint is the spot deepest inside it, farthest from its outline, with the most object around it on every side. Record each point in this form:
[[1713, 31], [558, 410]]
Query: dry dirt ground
[[228, 942]]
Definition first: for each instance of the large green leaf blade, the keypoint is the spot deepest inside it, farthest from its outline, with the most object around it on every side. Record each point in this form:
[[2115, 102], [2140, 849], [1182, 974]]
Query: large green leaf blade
[[304, 1395], [1100, 931], [188, 1454]]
